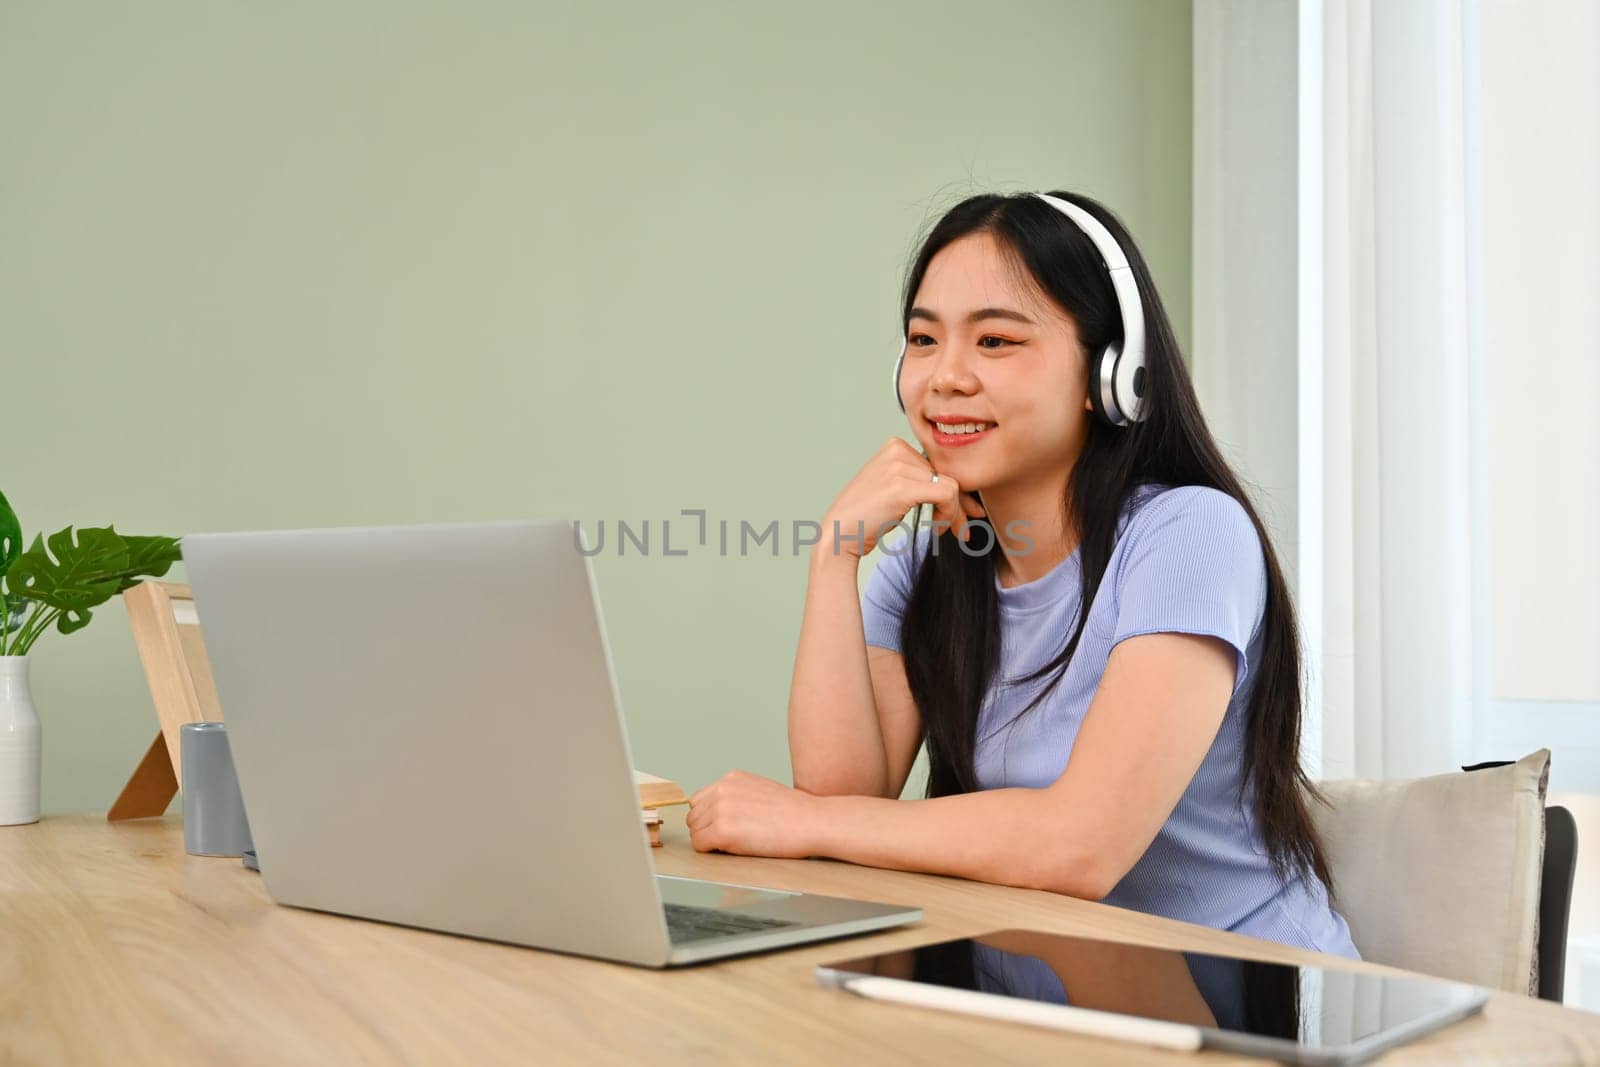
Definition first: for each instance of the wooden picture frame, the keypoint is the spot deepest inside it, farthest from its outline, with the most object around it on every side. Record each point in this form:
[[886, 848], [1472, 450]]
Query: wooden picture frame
[[167, 633]]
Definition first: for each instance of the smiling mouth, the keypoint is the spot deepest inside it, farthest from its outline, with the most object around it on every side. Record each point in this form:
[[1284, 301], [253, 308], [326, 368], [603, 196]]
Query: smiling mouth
[[961, 429]]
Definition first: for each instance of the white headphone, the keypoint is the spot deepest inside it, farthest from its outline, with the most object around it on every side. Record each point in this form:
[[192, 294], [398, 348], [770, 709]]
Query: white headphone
[[1116, 375]]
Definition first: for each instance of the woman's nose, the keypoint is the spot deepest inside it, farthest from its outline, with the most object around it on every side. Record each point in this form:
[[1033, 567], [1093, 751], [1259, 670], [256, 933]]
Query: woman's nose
[[952, 371]]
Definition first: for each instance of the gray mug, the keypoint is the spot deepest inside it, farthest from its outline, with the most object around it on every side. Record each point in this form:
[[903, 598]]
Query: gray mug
[[214, 823]]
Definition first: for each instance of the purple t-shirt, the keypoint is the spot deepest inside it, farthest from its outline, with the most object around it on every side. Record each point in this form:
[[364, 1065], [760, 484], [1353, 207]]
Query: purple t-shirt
[[1187, 560]]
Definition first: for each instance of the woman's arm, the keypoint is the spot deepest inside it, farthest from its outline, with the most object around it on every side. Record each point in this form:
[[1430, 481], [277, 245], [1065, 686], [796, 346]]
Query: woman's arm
[[898, 715], [835, 741], [1004, 836], [845, 735], [1155, 715]]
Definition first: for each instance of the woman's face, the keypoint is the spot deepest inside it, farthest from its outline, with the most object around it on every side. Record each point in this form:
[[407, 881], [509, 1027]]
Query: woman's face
[[981, 349]]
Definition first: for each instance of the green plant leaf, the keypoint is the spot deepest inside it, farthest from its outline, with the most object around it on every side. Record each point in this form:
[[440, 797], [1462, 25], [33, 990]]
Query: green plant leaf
[[149, 557], [87, 572], [83, 574], [10, 536], [13, 611]]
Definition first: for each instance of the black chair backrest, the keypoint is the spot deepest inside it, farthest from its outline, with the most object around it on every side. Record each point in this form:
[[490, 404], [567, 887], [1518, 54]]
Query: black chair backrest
[[1555, 899]]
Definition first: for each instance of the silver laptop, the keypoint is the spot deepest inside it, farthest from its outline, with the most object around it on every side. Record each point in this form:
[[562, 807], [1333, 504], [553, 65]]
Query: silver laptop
[[427, 731]]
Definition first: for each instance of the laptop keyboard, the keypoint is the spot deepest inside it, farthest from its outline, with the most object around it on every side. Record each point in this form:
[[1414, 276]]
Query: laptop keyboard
[[686, 923]]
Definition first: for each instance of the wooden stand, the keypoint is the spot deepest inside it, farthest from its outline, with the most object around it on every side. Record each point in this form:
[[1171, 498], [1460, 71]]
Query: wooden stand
[[167, 632]]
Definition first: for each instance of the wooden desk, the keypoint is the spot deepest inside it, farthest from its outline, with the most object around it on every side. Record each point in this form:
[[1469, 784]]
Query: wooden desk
[[116, 946]]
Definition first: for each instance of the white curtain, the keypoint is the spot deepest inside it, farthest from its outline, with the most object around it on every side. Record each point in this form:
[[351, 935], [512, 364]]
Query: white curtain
[[1377, 240], [1396, 656]]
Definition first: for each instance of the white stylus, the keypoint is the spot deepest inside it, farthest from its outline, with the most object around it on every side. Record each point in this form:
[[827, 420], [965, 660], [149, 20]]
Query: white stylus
[[1055, 1016]]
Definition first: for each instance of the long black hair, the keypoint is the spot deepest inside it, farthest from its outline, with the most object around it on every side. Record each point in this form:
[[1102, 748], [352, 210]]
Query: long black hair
[[951, 628]]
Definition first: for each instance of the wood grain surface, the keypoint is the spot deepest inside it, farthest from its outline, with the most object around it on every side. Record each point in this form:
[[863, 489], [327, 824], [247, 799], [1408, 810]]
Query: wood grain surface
[[118, 947]]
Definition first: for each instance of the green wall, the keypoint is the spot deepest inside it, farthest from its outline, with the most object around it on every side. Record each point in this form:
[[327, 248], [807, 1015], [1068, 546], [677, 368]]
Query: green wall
[[309, 264]]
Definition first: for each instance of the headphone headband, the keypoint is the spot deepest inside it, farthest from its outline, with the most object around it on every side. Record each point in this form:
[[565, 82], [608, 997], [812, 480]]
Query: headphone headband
[[1116, 374]]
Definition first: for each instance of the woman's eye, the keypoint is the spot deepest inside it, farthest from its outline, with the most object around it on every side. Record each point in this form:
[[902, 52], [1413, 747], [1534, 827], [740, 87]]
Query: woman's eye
[[916, 339]]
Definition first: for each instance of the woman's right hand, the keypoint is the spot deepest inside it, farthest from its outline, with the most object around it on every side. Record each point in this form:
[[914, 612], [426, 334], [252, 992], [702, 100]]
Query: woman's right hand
[[896, 479]]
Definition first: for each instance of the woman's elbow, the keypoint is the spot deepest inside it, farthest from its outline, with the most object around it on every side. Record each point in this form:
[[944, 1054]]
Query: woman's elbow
[[1086, 877], [1083, 887]]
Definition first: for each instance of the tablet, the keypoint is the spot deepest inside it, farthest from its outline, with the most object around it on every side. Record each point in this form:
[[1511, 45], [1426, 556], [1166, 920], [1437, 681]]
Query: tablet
[[1163, 997]]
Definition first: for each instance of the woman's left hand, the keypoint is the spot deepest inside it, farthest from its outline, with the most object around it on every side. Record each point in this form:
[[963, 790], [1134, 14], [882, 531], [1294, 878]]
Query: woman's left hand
[[753, 816]]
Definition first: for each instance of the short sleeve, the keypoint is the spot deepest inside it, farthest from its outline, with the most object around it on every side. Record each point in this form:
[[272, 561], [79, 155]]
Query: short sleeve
[[888, 590], [1190, 561]]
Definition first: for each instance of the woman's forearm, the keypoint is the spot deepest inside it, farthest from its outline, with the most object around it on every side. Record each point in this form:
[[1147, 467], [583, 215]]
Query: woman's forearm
[[1015, 837], [835, 741]]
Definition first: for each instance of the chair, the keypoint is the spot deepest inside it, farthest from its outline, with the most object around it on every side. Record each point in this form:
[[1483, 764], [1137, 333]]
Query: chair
[[1419, 862], [1555, 899], [1558, 871]]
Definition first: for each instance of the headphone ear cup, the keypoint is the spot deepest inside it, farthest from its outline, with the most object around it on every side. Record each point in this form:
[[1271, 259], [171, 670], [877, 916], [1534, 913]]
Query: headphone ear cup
[[898, 361], [1132, 385], [1096, 397], [1138, 407]]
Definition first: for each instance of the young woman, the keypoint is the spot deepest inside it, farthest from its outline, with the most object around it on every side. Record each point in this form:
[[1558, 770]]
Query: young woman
[[1143, 752]]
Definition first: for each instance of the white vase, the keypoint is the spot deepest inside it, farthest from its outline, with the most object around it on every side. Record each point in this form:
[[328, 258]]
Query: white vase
[[19, 745]]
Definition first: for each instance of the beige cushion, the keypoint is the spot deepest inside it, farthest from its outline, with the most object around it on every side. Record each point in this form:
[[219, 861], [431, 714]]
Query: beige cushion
[[1441, 874]]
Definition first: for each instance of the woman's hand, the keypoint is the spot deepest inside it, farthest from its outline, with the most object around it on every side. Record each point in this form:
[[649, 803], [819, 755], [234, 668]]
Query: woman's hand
[[753, 816], [896, 479]]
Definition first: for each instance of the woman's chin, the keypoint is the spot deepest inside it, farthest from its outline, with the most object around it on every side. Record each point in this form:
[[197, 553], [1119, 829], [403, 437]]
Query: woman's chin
[[969, 472]]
